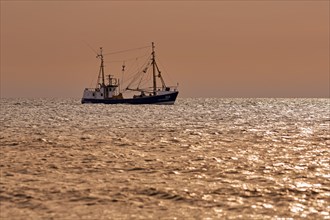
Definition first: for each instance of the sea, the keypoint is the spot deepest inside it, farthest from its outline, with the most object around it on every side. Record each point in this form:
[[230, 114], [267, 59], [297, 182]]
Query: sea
[[201, 158]]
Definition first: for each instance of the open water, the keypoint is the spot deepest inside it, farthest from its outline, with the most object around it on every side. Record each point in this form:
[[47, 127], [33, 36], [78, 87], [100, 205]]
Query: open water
[[198, 159]]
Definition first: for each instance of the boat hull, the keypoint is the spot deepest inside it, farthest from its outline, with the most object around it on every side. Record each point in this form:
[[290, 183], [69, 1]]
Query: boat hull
[[166, 99]]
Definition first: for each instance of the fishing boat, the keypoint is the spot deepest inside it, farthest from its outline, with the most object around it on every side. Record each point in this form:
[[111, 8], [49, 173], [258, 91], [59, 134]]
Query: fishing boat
[[109, 92]]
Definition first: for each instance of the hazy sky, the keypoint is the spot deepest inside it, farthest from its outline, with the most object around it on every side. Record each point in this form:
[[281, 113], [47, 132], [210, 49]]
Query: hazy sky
[[212, 48]]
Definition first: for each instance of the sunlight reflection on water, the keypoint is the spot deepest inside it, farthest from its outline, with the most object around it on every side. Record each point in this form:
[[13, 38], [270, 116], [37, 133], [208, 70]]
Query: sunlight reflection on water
[[200, 158]]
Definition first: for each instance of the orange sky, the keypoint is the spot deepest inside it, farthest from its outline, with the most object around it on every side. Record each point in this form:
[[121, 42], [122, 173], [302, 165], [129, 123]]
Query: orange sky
[[212, 48]]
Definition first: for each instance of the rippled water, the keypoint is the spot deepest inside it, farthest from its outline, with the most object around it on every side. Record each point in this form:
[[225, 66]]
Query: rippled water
[[200, 158]]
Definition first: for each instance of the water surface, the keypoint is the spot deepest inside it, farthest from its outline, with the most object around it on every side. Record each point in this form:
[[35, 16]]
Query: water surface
[[200, 158]]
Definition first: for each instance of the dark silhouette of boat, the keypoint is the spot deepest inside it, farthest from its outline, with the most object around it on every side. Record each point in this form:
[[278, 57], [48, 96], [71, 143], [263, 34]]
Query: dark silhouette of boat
[[107, 93]]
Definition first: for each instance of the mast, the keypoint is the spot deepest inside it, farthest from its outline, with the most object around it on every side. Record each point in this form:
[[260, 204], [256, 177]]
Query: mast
[[122, 75], [101, 72], [154, 68]]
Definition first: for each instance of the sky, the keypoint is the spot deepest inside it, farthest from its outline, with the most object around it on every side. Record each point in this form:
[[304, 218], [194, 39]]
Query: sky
[[211, 48]]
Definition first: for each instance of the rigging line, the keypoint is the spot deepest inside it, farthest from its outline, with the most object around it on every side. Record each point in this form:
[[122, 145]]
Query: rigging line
[[135, 65], [166, 72], [137, 68], [126, 78], [145, 72], [126, 60], [90, 47], [138, 85], [134, 81], [131, 77], [134, 76], [137, 76], [145, 79], [145, 82], [131, 73], [123, 51]]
